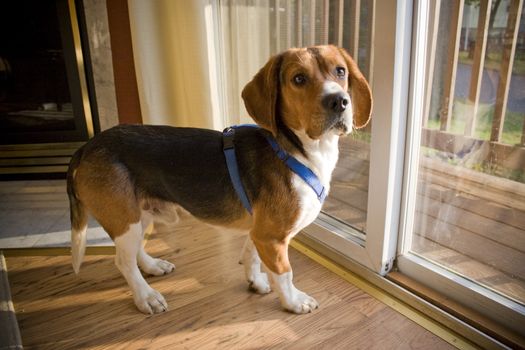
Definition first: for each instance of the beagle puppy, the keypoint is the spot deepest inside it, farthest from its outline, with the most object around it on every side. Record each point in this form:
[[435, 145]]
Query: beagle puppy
[[130, 176]]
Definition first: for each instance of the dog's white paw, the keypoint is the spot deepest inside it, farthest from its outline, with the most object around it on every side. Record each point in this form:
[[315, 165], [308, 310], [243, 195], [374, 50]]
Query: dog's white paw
[[259, 283], [158, 267], [151, 302], [301, 303]]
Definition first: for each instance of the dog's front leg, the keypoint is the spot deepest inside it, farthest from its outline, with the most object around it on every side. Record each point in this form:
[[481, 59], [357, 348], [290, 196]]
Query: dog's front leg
[[274, 254], [292, 299], [252, 268]]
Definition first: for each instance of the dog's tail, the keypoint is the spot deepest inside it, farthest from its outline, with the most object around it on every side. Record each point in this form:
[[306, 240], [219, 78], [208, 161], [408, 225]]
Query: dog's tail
[[78, 215]]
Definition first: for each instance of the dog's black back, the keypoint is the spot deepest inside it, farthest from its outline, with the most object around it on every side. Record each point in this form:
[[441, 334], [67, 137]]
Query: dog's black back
[[187, 166]]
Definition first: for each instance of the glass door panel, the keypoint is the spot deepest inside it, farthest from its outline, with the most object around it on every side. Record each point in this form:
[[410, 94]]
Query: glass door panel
[[298, 23], [348, 200], [469, 212], [360, 221]]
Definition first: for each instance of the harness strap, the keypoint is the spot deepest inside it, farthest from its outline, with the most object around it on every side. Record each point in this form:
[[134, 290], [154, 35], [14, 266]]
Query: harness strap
[[299, 168], [296, 166], [228, 148]]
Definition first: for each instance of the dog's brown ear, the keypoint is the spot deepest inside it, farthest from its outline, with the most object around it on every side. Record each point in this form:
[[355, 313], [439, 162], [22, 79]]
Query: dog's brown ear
[[260, 95], [359, 92]]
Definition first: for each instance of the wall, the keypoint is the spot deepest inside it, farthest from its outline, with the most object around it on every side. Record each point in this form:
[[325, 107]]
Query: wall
[[100, 50]]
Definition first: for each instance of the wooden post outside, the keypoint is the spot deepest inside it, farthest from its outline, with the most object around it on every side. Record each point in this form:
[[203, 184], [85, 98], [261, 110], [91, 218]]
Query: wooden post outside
[[476, 74], [369, 64], [522, 144], [355, 11], [431, 56], [311, 24], [325, 22], [289, 27], [277, 25], [338, 25], [505, 73], [299, 22], [452, 64]]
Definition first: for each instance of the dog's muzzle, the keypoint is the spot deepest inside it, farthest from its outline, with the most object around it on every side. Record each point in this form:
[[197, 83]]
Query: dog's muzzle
[[336, 103], [338, 108]]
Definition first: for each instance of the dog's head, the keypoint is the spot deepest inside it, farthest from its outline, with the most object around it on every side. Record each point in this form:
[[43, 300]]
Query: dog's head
[[315, 89]]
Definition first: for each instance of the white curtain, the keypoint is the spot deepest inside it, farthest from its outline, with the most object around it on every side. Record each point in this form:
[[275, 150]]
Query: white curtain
[[245, 28], [172, 62], [194, 57]]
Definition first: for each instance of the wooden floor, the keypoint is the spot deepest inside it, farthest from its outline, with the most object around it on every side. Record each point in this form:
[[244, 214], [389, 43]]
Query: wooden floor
[[465, 220], [210, 305]]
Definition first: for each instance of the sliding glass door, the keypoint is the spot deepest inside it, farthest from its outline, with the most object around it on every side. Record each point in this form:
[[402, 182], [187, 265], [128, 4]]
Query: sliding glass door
[[436, 186], [254, 30], [470, 198], [360, 218], [351, 25], [463, 228]]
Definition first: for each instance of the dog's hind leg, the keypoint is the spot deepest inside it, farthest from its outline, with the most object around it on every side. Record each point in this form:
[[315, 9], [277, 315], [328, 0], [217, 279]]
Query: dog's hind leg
[[153, 266], [252, 267], [148, 264], [128, 246], [109, 195]]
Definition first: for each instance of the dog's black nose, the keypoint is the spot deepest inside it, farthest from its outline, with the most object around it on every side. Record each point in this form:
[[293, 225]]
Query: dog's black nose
[[336, 102]]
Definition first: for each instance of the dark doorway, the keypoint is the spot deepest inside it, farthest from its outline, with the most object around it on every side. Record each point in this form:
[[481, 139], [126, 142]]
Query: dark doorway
[[43, 89]]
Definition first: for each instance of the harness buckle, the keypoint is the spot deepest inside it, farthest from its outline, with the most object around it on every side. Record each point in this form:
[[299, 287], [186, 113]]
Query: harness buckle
[[227, 139], [322, 195]]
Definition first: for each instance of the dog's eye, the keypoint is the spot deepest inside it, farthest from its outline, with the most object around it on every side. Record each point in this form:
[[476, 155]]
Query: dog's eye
[[299, 79], [341, 72]]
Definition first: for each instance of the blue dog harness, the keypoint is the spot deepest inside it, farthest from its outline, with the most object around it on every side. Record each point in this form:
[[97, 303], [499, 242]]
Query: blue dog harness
[[296, 166]]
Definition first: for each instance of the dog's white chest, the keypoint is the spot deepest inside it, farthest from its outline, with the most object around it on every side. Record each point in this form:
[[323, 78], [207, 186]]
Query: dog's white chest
[[323, 155], [309, 204]]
